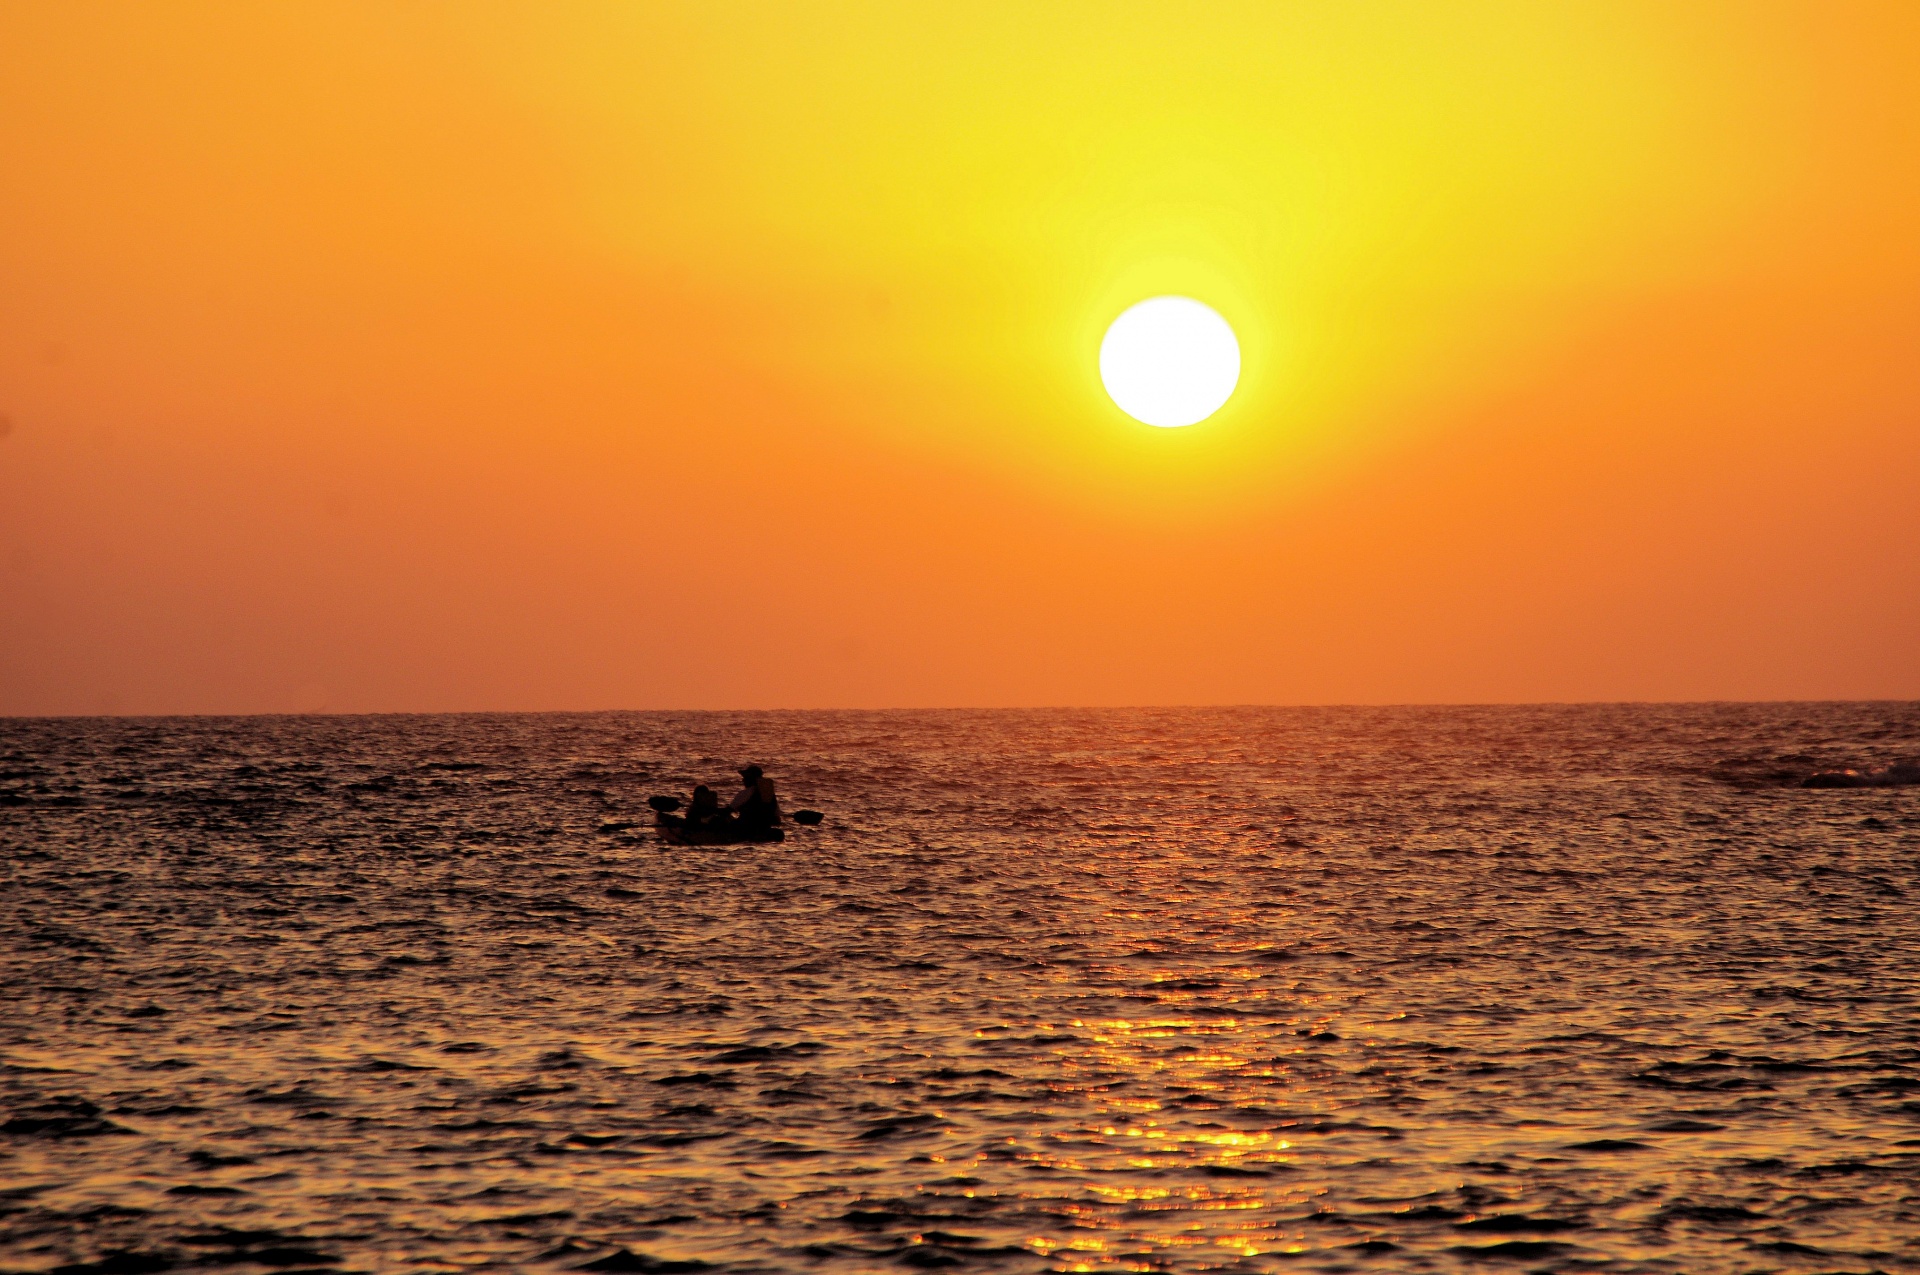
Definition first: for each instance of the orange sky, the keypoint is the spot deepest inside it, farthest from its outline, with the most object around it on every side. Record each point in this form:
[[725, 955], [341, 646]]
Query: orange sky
[[490, 356]]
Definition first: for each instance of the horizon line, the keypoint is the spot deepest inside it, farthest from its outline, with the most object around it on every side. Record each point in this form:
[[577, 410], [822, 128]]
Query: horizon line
[[961, 708]]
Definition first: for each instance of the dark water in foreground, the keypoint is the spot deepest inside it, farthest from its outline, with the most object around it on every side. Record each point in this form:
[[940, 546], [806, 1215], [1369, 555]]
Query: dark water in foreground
[[1229, 990]]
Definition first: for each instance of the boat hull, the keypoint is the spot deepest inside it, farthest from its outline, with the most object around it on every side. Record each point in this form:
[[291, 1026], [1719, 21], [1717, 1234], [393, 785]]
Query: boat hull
[[674, 832]]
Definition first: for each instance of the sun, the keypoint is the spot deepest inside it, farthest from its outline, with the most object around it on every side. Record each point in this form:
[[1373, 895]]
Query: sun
[[1170, 361]]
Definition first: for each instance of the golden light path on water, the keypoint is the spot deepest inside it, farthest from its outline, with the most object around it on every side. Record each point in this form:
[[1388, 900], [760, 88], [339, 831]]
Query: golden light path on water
[[1181, 990]]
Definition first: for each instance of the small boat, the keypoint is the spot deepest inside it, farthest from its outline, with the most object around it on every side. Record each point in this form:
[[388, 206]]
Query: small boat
[[675, 832]]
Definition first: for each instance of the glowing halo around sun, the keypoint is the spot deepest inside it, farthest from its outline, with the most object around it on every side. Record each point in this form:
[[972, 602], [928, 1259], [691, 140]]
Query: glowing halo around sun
[[1170, 361]]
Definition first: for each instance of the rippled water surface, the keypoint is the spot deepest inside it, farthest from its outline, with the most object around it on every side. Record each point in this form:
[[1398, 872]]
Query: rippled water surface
[[1230, 990]]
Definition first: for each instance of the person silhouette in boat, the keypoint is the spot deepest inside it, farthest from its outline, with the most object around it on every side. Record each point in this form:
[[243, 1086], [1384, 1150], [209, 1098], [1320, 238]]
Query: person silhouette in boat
[[757, 804], [705, 810]]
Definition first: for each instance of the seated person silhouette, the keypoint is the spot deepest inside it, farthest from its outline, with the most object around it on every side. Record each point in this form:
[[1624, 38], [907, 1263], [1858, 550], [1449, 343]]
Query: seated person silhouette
[[705, 810], [757, 804]]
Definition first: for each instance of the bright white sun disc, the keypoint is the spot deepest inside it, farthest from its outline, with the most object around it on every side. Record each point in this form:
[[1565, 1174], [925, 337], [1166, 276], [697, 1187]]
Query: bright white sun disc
[[1170, 361]]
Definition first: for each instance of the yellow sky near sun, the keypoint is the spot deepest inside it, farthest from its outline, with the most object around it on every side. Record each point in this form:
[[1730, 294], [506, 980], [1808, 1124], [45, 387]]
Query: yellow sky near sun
[[1383, 201], [543, 280]]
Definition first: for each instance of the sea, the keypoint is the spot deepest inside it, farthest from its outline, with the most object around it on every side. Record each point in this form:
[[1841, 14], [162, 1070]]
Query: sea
[[1558, 988]]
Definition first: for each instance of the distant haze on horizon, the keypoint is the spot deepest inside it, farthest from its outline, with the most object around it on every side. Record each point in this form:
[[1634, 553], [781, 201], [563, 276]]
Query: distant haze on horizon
[[368, 357]]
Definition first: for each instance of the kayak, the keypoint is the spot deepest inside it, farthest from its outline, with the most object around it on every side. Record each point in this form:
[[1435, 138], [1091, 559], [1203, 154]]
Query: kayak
[[675, 832]]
